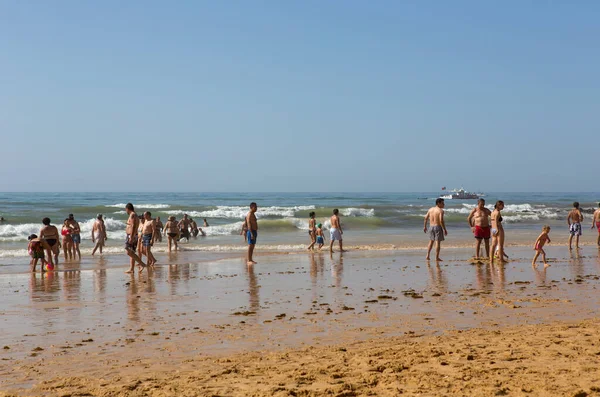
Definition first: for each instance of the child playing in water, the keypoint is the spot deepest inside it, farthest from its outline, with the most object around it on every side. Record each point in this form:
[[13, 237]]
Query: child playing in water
[[539, 245], [320, 238], [36, 249]]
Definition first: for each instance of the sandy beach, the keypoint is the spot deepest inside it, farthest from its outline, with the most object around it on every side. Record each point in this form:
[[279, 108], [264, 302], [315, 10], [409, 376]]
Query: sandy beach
[[379, 322]]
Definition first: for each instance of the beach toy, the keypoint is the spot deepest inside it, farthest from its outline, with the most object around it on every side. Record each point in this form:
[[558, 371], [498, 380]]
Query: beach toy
[[50, 267]]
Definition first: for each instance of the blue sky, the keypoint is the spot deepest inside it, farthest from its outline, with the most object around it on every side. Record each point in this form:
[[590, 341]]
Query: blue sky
[[299, 95]]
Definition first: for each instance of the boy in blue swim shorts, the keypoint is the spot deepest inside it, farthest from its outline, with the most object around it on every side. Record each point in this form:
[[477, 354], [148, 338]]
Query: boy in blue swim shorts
[[320, 236], [252, 232]]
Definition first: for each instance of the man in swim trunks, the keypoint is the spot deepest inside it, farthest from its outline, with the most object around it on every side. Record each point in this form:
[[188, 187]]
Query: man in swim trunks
[[50, 233], [574, 220], [479, 220], [335, 233], [184, 225], [172, 230], [148, 234], [252, 232], [98, 234], [435, 216], [596, 223], [75, 234], [131, 240]]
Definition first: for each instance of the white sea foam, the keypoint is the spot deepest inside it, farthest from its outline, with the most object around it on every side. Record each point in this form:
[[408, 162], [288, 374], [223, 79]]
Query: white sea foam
[[114, 229], [235, 212], [146, 206], [366, 212]]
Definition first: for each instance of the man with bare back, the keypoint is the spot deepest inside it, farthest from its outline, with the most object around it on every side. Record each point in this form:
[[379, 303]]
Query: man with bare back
[[131, 241], [435, 216], [252, 232], [596, 223], [335, 233], [98, 234], [184, 227], [479, 220], [574, 220], [148, 237]]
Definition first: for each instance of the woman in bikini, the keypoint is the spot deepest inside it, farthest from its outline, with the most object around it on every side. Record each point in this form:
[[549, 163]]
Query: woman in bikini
[[497, 232], [67, 242], [172, 231], [312, 230], [50, 234]]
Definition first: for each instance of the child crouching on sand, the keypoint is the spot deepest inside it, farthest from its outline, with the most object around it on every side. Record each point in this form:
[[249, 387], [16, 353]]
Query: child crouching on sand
[[539, 246], [320, 237], [36, 250]]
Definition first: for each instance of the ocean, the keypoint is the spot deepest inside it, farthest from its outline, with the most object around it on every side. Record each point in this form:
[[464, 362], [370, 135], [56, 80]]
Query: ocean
[[367, 218]]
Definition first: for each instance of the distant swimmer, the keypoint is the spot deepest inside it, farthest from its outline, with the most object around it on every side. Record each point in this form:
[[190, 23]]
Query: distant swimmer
[[172, 231], [312, 230], [184, 226], [50, 233], [75, 234], [336, 232], [205, 223], [435, 216], [159, 229], [596, 223], [148, 236], [2, 219], [131, 239], [479, 220], [497, 233], [98, 234], [574, 220], [252, 232]]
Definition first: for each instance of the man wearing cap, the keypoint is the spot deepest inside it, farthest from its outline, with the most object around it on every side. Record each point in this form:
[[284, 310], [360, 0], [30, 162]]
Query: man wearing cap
[[98, 234], [75, 233]]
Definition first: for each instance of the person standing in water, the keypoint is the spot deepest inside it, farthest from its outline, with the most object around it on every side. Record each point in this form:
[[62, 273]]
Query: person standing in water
[[596, 223], [574, 220], [67, 243], [435, 216], [252, 232], [194, 228], [172, 231], [320, 236], [497, 233], [98, 234], [50, 233], [336, 232], [184, 225], [131, 239], [148, 236], [205, 223], [75, 235], [159, 229], [479, 220], [312, 230]]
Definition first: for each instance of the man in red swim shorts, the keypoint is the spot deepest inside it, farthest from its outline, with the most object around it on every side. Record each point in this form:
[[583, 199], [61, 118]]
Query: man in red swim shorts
[[479, 220]]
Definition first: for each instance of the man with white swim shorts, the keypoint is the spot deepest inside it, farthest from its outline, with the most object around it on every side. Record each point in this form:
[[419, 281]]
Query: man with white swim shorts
[[98, 234], [335, 233]]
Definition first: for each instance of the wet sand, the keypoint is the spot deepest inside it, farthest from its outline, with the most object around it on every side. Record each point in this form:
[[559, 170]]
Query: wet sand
[[363, 322]]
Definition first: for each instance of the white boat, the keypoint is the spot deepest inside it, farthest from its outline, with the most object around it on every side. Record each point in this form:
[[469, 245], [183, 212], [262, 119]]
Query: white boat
[[461, 194]]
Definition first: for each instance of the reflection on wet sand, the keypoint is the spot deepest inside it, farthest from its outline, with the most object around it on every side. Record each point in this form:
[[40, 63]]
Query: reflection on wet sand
[[253, 289], [437, 278], [44, 287], [576, 264], [337, 268]]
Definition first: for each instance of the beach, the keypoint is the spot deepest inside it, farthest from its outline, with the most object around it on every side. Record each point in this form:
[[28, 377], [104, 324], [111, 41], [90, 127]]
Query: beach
[[365, 322]]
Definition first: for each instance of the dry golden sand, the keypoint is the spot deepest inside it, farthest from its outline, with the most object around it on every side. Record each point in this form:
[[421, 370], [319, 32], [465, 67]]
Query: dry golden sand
[[559, 359]]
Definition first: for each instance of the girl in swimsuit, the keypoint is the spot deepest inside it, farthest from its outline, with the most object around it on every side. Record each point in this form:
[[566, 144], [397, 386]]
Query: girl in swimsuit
[[539, 246], [497, 232], [312, 230], [36, 249], [67, 242]]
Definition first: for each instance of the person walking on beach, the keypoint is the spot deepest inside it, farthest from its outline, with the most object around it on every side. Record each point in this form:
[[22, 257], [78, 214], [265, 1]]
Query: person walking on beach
[[131, 240], [320, 236], [336, 232], [539, 246], [50, 233], [98, 234], [159, 229], [435, 216], [148, 236], [172, 231], [596, 223], [574, 220], [252, 232], [497, 233], [67, 243], [75, 235], [312, 230], [479, 220]]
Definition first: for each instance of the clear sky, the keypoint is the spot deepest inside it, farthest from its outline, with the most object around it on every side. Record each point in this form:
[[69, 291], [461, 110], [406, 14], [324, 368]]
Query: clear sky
[[299, 95]]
